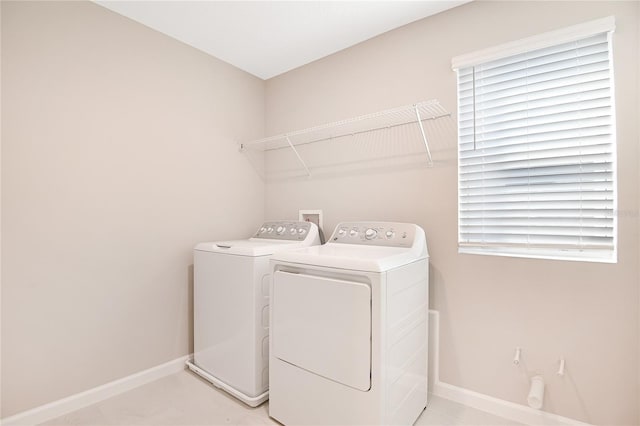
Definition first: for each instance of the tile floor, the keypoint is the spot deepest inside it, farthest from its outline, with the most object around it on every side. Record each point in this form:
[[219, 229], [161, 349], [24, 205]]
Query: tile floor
[[186, 399]]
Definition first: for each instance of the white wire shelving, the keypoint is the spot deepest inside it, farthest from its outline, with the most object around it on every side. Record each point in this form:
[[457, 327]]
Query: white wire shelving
[[364, 127]]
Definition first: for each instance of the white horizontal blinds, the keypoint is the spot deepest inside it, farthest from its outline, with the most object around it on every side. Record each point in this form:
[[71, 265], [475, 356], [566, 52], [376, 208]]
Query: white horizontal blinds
[[536, 153]]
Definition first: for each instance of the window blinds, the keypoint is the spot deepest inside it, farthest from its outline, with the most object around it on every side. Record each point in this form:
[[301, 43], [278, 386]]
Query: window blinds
[[536, 153]]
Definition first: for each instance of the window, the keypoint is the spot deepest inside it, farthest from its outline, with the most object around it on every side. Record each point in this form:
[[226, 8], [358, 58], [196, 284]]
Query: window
[[536, 147]]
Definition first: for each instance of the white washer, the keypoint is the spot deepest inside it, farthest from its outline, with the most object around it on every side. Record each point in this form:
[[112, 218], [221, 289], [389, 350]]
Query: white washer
[[349, 328], [231, 307]]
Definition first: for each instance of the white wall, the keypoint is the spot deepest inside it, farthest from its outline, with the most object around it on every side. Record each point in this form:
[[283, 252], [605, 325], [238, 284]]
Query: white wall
[[118, 155], [586, 312]]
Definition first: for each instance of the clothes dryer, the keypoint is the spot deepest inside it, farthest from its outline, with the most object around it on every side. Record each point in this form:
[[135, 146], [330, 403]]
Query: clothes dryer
[[349, 328], [231, 307]]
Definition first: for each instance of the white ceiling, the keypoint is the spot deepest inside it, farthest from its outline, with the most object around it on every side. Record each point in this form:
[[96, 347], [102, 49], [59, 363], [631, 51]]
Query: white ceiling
[[267, 38]]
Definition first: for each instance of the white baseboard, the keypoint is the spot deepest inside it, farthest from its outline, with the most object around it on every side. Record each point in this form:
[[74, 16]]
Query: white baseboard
[[434, 347], [80, 400], [505, 409], [499, 407]]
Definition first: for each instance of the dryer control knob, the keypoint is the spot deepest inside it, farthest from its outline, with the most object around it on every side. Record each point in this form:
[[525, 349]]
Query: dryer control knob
[[370, 234], [280, 230], [269, 229], [342, 232], [293, 231], [263, 230], [353, 232], [390, 234], [302, 231]]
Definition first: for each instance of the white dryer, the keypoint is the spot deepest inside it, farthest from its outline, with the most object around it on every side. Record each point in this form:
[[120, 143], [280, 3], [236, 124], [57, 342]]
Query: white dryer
[[231, 307], [349, 328]]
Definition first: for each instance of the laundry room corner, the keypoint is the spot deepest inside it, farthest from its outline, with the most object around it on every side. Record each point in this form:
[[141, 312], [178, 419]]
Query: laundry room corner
[[119, 154]]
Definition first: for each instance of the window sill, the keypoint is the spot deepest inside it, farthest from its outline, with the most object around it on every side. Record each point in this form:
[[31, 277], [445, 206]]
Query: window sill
[[573, 255]]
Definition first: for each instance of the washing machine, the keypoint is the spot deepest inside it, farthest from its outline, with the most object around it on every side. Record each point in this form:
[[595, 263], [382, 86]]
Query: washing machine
[[349, 328], [231, 307]]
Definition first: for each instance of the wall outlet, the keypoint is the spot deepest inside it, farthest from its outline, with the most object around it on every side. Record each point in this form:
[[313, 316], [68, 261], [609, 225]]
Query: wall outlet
[[314, 216]]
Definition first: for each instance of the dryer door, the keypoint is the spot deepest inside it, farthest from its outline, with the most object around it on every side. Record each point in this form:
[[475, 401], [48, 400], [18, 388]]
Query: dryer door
[[323, 325]]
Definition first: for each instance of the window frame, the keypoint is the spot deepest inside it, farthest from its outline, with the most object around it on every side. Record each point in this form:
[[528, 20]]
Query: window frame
[[545, 40]]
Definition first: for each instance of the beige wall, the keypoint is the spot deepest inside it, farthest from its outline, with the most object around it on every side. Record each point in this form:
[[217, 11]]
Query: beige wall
[[586, 312], [638, 216], [118, 155]]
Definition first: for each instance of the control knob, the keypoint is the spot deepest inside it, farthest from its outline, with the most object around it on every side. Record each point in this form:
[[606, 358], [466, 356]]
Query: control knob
[[390, 234], [370, 234], [269, 230], [353, 232], [280, 230], [293, 231], [263, 230], [302, 231], [342, 232]]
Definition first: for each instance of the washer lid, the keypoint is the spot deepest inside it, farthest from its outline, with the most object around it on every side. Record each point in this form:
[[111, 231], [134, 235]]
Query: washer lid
[[251, 247], [352, 257], [270, 238]]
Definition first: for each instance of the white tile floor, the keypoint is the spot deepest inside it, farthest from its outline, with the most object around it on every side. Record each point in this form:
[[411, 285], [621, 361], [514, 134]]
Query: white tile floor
[[186, 399]]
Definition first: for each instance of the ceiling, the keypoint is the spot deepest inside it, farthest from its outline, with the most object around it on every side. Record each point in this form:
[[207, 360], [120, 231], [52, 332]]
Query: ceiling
[[268, 38]]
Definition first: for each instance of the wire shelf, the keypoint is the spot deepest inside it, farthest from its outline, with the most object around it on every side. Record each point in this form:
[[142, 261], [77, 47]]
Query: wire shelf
[[365, 127]]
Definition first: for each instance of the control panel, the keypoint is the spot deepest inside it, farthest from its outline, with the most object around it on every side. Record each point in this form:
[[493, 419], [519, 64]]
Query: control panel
[[388, 234], [284, 230]]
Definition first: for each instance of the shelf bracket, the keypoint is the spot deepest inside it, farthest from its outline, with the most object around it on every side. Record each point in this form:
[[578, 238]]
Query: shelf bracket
[[424, 135], [295, 151]]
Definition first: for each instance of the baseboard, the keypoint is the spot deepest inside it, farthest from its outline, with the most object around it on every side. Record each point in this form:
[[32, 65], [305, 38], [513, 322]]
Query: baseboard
[[434, 347], [505, 409], [80, 400], [498, 407]]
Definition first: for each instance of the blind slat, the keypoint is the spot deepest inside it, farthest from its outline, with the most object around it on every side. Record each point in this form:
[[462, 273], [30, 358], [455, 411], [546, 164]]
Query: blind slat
[[534, 206], [539, 189], [553, 214], [539, 163], [541, 90], [560, 99], [568, 222]]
